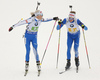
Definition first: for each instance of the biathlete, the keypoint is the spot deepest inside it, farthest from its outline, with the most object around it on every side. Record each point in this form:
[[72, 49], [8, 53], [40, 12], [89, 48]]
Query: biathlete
[[31, 34], [73, 35]]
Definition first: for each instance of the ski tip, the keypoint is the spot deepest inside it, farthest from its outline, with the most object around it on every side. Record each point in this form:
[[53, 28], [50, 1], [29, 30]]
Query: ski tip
[[60, 72], [25, 74], [77, 71], [38, 75]]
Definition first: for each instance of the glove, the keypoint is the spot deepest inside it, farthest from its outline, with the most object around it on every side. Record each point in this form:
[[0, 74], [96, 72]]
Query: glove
[[55, 18], [82, 26], [10, 29], [60, 22], [33, 15]]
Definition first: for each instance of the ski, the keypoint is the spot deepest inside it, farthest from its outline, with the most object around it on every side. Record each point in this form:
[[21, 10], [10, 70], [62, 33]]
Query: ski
[[64, 71], [39, 71], [67, 70], [26, 71], [76, 69]]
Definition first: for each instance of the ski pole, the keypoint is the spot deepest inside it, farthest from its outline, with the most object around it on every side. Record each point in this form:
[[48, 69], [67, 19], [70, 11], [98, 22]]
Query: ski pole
[[58, 47], [48, 42], [86, 48], [20, 20], [10, 29]]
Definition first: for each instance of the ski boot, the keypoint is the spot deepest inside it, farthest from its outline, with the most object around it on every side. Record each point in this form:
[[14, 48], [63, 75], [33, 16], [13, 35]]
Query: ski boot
[[26, 67], [77, 63], [38, 67], [68, 64]]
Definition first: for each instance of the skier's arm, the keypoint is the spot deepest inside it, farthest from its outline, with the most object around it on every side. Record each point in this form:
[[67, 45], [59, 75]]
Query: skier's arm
[[46, 20], [27, 21], [61, 23], [81, 24]]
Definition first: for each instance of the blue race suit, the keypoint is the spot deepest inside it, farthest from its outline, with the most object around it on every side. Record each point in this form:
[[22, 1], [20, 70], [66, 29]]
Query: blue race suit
[[31, 34], [73, 35], [31, 38]]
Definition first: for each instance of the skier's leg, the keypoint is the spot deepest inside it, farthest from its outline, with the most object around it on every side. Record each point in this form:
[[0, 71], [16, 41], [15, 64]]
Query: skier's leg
[[34, 43], [76, 45], [27, 45], [69, 45]]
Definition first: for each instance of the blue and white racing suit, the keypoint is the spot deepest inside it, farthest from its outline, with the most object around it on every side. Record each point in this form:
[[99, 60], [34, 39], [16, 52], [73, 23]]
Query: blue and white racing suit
[[31, 34], [73, 35]]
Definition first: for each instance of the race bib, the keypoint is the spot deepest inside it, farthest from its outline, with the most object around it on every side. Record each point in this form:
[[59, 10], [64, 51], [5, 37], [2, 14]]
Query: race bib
[[34, 29], [72, 30]]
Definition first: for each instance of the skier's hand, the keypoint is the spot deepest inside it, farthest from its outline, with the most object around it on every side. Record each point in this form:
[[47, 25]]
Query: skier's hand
[[84, 27], [60, 22], [55, 18], [10, 29]]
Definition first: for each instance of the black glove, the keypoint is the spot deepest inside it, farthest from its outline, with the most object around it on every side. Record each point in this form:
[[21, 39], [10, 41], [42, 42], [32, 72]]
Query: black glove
[[82, 26], [60, 22], [55, 18], [10, 29], [33, 15]]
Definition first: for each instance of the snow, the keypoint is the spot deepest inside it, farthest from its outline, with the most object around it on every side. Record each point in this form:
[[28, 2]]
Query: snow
[[12, 56]]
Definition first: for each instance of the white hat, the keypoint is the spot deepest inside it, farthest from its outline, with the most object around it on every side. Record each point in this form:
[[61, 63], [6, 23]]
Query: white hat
[[38, 12], [72, 15]]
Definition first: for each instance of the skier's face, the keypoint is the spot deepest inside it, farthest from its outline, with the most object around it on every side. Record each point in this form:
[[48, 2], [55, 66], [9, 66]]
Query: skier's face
[[71, 19], [39, 17]]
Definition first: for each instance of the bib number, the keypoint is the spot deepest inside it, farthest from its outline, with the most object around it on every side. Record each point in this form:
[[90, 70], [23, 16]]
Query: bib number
[[34, 29], [72, 30]]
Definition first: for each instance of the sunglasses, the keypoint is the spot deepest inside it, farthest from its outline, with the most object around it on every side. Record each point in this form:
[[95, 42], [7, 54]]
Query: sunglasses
[[40, 15], [71, 18]]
